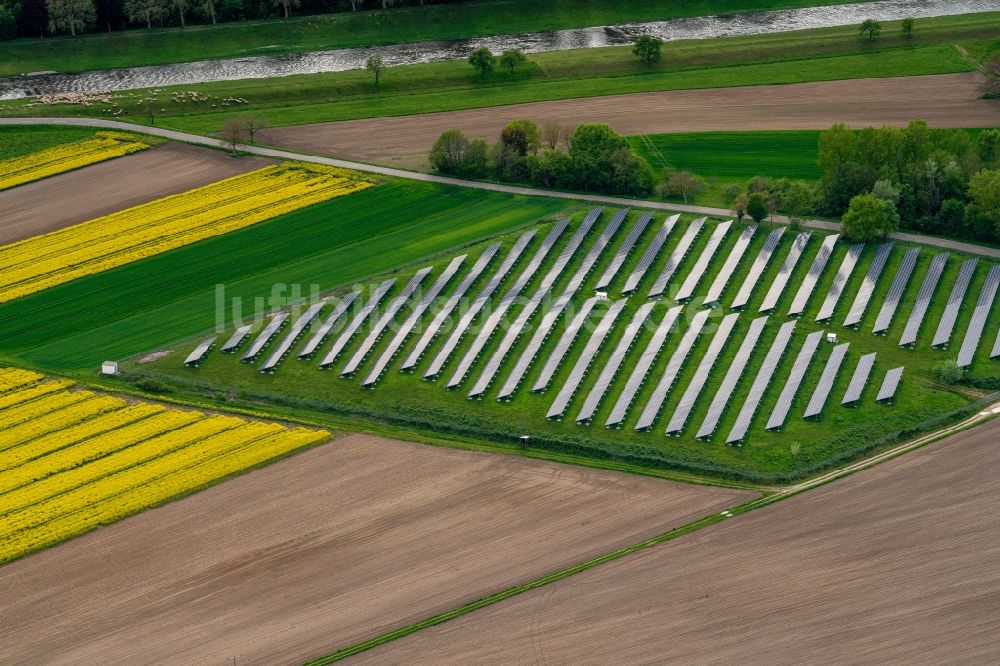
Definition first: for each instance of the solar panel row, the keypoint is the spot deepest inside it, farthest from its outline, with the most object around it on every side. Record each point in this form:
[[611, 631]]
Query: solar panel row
[[583, 362], [867, 287], [896, 289], [785, 272], [676, 257], [565, 342], [757, 268], [265, 336], [700, 266], [975, 330], [293, 334], [237, 338], [950, 315], [889, 384], [324, 329], [825, 384], [649, 256], [728, 385], [697, 382], [199, 352], [626, 248], [839, 282], [674, 366], [812, 277], [927, 287], [729, 267], [760, 383], [352, 327], [996, 347], [859, 379], [794, 380]]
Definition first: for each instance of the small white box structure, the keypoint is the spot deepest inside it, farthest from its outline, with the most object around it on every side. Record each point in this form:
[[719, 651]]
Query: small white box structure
[[109, 368], [831, 338], [601, 295]]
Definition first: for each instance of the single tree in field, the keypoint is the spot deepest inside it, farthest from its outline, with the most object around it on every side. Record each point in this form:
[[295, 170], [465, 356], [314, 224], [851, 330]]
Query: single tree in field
[[232, 132], [143, 10], [869, 217], [71, 15], [181, 6], [512, 58], [907, 27], [286, 5], [757, 207], [252, 123], [647, 49], [483, 60], [872, 28], [376, 66], [685, 184], [552, 132]]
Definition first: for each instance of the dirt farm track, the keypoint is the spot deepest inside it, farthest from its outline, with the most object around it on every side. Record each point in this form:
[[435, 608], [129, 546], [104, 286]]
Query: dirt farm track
[[948, 100], [340, 543]]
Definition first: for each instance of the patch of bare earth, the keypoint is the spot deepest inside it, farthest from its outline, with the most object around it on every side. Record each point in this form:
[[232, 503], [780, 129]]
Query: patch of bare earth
[[77, 196], [335, 545], [896, 564], [949, 100]]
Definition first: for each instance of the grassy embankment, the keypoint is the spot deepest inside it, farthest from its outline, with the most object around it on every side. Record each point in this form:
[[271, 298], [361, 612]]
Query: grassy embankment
[[308, 33]]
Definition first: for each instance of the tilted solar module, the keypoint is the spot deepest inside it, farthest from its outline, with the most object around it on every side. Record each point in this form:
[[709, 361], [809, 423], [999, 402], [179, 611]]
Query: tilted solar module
[[610, 369], [867, 287], [728, 385], [825, 384], [586, 357], [356, 323], [784, 404], [729, 267], [785, 272], [565, 342], [390, 313], [674, 366], [642, 366], [889, 384], [979, 316], [996, 347], [924, 296], [697, 382], [324, 329], [293, 334], [896, 290], [812, 277], [840, 281], [761, 382], [199, 352], [757, 268], [490, 323], [626, 248], [265, 336], [550, 318], [448, 348], [950, 315], [411, 322], [237, 338], [676, 257], [649, 256], [859, 379], [449, 306], [700, 266]]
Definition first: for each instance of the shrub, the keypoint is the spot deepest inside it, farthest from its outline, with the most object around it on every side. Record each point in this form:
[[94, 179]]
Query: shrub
[[947, 372]]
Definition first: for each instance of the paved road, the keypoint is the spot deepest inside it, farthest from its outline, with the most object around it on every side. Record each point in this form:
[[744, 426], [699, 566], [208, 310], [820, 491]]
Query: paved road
[[958, 246]]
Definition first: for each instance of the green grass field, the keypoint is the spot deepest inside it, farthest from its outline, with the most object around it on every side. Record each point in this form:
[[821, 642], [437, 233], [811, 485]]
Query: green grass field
[[451, 21], [17, 141]]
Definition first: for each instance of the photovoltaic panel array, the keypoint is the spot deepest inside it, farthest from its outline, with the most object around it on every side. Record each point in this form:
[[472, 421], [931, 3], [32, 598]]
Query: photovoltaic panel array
[[626, 248], [293, 334], [586, 357], [924, 296], [896, 290], [565, 342], [549, 320], [825, 384], [729, 267], [784, 404], [265, 336], [950, 315], [199, 352], [840, 281], [324, 329], [649, 256], [480, 301], [859, 379], [390, 313], [676, 257], [996, 347], [489, 325], [449, 306], [889, 384], [700, 266], [359, 319], [237, 338], [757, 268], [411, 322], [642, 367], [610, 369], [867, 287], [736, 368], [674, 366], [785, 272], [979, 316], [697, 382], [812, 277], [760, 383]]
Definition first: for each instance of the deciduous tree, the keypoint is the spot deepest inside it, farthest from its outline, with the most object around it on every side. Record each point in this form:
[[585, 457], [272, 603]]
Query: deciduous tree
[[872, 28], [907, 27], [143, 10], [232, 132], [286, 5], [483, 60], [869, 217], [512, 58], [375, 65], [684, 184], [757, 207], [71, 15], [648, 49]]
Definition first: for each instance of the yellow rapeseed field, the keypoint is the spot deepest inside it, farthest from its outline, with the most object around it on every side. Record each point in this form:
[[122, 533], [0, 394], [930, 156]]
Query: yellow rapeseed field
[[71, 460], [44, 261], [44, 163]]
